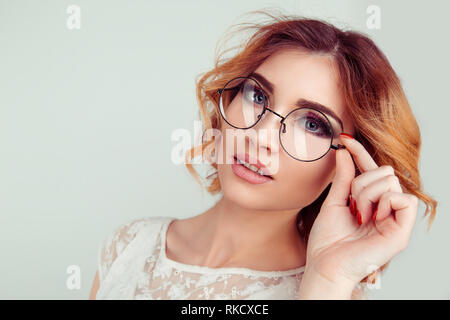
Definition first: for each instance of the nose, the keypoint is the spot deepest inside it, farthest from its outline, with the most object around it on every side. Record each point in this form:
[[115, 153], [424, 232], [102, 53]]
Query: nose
[[267, 130]]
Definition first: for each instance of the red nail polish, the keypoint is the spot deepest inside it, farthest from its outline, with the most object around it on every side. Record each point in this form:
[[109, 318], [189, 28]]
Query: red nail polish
[[347, 135], [354, 207], [374, 217], [358, 216]]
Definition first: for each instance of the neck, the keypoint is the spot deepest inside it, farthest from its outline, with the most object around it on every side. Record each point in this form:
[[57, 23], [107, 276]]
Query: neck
[[232, 233]]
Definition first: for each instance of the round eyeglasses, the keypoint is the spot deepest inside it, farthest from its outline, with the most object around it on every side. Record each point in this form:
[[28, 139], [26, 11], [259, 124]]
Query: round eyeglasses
[[305, 134]]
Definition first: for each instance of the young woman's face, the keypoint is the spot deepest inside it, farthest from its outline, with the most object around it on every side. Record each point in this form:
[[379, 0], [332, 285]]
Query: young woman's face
[[294, 75]]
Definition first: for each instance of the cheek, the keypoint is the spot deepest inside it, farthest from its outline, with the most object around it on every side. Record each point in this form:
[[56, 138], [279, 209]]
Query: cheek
[[297, 185], [302, 182]]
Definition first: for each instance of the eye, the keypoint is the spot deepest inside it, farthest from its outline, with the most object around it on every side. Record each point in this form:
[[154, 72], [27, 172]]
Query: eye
[[259, 97], [313, 124], [254, 95]]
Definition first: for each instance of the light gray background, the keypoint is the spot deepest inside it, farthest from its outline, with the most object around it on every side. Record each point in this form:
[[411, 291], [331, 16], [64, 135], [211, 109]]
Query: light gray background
[[83, 146]]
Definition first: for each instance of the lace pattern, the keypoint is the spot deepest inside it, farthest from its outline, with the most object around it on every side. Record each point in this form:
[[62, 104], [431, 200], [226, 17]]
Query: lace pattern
[[133, 265]]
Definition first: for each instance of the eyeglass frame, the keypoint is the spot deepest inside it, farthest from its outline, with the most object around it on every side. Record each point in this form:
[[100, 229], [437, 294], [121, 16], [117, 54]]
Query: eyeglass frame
[[282, 124]]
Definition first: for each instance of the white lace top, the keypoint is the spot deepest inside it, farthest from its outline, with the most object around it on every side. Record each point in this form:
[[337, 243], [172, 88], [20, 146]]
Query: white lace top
[[132, 264]]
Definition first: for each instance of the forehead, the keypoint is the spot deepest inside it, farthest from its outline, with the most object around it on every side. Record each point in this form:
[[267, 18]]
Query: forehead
[[298, 74]]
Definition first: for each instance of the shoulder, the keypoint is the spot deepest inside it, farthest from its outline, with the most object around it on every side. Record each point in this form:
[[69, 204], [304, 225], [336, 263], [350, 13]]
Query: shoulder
[[117, 241], [126, 232], [129, 229]]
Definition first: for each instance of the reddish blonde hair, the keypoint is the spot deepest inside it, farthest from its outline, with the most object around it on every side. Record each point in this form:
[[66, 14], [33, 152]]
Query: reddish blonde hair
[[371, 89]]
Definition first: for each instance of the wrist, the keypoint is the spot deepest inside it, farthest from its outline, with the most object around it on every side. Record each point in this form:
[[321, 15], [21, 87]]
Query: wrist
[[314, 286]]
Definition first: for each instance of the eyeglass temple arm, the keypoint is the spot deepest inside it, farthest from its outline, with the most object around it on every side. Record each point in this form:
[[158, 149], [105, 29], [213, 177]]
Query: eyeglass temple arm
[[339, 146]]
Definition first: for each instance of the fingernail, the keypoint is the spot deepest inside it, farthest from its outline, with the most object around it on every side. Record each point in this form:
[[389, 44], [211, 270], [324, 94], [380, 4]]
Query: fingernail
[[346, 135], [358, 216], [374, 217]]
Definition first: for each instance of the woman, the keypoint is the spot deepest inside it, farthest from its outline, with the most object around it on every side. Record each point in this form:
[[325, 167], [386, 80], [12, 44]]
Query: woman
[[305, 221]]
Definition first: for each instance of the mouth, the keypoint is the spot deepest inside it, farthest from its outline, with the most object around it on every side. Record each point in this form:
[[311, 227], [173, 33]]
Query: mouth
[[250, 169]]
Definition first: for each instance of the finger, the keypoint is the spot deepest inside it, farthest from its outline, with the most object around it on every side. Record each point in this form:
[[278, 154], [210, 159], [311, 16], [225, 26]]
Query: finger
[[366, 200], [340, 186], [366, 178], [403, 205], [362, 158], [363, 180]]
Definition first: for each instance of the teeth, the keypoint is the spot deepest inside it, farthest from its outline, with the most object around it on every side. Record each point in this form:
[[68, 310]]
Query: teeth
[[251, 167]]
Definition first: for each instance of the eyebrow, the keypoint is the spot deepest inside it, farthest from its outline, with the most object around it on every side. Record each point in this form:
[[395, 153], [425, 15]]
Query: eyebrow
[[300, 102]]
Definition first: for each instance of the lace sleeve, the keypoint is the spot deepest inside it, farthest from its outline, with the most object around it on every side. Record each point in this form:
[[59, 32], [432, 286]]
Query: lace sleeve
[[112, 246]]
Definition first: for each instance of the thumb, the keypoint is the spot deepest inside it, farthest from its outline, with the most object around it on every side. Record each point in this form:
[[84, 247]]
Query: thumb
[[340, 186]]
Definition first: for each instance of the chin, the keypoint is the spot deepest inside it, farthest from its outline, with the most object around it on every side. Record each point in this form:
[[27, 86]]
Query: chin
[[247, 200], [247, 195]]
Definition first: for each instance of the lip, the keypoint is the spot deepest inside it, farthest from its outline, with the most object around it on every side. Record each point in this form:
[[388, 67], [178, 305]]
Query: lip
[[253, 161], [247, 174]]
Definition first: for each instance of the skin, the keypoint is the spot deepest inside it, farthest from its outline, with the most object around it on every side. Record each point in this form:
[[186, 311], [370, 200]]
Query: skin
[[253, 226], [341, 249], [95, 287]]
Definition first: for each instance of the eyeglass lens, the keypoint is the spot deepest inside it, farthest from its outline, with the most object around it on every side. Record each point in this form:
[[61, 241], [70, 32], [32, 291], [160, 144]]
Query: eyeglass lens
[[307, 133]]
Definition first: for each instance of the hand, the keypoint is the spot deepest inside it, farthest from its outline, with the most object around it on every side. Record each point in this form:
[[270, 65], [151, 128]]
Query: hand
[[342, 247]]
